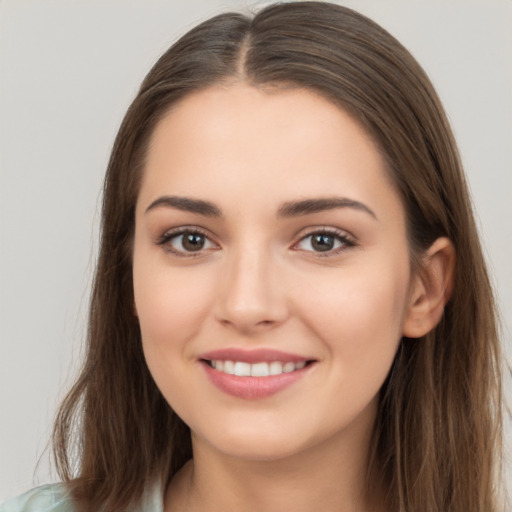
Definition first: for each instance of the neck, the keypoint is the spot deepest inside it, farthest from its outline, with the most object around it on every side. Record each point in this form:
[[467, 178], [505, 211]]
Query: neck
[[328, 477]]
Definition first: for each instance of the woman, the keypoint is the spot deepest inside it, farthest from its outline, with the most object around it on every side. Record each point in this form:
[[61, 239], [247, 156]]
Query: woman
[[291, 308]]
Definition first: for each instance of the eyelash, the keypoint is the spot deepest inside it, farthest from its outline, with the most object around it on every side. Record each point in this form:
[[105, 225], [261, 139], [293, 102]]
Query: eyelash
[[339, 236], [346, 242], [166, 239]]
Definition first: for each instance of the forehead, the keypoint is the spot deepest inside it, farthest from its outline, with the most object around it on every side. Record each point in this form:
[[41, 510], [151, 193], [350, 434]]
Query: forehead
[[238, 139]]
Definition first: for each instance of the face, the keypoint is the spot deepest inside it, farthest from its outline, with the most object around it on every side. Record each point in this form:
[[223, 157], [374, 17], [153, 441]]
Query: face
[[271, 270]]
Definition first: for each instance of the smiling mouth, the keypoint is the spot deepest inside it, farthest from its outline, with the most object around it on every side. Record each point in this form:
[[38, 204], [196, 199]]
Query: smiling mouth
[[260, 369]]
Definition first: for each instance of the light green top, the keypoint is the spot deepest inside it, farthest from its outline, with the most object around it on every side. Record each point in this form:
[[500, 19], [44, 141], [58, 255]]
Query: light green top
[[56, 498]]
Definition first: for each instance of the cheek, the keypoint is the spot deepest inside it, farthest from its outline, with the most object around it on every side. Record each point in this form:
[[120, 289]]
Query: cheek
[[360, 317], [171, 307], [170, 304]]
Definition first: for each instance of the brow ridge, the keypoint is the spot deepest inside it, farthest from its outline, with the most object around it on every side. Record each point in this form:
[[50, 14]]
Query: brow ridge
[[288, 209], [309, 206], [188, 204]]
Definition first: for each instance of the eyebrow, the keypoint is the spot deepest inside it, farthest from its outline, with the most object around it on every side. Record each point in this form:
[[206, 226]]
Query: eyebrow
[[308, 206], [186, 204], [288, 209]]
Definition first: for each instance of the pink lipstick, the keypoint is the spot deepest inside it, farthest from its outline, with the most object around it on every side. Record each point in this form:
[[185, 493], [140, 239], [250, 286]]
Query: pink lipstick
[[253, 374]]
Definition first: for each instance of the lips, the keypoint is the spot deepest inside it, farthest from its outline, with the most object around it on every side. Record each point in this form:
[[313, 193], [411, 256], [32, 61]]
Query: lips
[[254, 374]]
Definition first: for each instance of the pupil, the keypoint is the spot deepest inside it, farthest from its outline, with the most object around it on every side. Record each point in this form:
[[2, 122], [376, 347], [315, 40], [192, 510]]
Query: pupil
[[322, 242], [193, 242]]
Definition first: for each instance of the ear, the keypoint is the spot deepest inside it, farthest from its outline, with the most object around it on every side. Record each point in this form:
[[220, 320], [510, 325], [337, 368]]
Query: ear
[[431, 288]]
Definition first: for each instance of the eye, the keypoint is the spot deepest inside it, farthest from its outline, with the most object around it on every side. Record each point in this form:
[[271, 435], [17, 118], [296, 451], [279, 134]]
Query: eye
[[324, 242], [186, 242]]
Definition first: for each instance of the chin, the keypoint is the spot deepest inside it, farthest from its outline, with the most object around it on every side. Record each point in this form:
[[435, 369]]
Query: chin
[[259, 451], [262, 440]]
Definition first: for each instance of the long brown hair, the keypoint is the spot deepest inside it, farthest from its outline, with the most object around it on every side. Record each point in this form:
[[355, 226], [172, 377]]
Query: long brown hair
[[437, 438]]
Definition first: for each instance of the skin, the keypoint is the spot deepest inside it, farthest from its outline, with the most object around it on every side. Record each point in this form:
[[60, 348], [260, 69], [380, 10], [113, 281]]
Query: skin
[[259, 282]]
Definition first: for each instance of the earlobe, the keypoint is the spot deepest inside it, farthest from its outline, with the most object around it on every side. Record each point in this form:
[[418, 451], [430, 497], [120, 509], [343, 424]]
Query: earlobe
[[431, 289]]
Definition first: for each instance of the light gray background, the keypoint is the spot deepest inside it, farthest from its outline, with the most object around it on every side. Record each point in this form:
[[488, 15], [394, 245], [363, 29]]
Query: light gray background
[[68, 70]]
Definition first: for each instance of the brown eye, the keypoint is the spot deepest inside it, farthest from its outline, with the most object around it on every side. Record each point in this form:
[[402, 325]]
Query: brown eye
[[322, 242], [192, 241], [186, 242]]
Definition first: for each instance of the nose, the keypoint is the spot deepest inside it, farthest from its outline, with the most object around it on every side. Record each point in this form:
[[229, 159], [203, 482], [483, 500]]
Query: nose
[[251, 295]]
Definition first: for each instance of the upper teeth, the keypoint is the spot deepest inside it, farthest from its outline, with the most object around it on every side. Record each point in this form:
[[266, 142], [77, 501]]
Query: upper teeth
[[242, 369]]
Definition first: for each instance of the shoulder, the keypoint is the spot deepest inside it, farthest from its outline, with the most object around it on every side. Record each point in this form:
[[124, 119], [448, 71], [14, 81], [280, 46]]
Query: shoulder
[[57, 498], [47, 498]]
